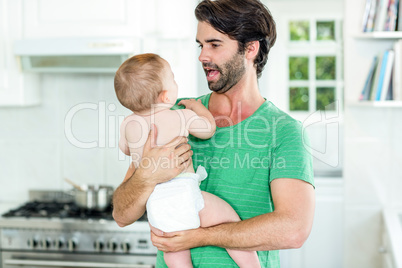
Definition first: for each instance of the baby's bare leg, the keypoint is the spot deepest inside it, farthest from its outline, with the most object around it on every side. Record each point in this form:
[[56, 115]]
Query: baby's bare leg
[[181, 259], [218, 211]]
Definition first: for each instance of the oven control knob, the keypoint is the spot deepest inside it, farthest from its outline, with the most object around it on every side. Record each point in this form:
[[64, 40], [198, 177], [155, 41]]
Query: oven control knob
[[112, 245], [45, 243], [72, 244], [59, 243], [125, 246], [98, 245], [32, 243]]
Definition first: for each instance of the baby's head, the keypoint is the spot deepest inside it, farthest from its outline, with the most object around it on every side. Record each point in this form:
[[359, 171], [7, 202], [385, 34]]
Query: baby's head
[[141, 81]]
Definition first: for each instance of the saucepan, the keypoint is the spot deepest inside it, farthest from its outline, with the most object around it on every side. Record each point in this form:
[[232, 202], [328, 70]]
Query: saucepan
[[92, 196]]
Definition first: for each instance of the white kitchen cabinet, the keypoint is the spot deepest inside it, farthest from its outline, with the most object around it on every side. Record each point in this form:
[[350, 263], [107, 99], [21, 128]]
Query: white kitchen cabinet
[[82, 18], [324, 246], [86, 18], [172, 19], [16, 88]]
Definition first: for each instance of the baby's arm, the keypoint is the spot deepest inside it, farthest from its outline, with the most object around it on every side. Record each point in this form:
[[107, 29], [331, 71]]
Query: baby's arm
[[201, 123], [123, 144]]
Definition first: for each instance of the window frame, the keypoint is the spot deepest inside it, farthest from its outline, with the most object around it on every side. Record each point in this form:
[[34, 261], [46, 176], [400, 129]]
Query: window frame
[[312, 49]]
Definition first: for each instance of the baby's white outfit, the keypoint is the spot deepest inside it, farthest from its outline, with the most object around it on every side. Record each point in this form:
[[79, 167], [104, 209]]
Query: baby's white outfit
[[174, 205]]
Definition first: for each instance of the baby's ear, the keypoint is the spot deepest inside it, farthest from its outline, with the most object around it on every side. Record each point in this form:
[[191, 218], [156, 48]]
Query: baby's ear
[[164, 97]]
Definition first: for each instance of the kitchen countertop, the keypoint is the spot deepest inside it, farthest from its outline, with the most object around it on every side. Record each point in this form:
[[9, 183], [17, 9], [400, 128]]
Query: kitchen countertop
[[393, 225]]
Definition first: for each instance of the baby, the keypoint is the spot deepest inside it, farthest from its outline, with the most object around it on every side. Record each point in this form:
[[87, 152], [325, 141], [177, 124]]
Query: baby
[[145, 84]]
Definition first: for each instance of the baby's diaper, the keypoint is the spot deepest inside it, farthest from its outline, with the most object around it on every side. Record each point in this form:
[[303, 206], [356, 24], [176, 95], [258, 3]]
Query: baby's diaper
[[174, 205]]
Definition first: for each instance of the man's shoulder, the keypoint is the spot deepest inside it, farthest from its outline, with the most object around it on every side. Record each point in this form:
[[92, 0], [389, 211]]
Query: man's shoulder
[[280, 117]]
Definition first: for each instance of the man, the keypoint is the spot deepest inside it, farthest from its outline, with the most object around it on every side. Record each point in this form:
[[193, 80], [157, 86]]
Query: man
[[256, 161]]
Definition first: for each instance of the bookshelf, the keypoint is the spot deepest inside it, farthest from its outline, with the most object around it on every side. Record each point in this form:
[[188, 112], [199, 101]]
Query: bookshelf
[[375, 104], [381, 22], [372, 155], [380, 35]]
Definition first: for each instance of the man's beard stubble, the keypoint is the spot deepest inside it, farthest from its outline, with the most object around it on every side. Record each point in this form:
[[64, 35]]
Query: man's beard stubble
[[230, 74]]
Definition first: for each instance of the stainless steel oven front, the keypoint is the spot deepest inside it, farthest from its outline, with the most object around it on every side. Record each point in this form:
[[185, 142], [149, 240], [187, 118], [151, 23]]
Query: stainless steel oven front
[[14, 259], [44, 243]]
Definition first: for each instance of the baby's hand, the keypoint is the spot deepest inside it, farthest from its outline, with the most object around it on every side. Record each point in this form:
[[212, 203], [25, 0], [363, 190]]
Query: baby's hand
[[191, 103]]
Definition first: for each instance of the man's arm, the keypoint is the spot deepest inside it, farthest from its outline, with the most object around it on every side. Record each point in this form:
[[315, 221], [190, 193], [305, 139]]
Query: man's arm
[[130, 198], [288, 226]]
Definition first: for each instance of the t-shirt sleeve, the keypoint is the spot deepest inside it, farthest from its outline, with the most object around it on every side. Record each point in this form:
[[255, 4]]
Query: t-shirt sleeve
[[291, 157]]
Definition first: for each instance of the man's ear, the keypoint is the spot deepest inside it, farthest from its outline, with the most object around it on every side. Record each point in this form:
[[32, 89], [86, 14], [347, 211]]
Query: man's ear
[[252, 49], [164, 97]]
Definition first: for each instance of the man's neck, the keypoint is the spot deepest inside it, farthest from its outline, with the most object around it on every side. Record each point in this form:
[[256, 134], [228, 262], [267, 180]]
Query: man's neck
[[237, 104]]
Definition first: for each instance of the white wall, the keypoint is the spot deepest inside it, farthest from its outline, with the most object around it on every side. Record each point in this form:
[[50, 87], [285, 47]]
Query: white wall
[[34, 150]]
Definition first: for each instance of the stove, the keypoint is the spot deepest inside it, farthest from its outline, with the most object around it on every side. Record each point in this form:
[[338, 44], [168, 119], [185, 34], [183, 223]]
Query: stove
[[51, 231]]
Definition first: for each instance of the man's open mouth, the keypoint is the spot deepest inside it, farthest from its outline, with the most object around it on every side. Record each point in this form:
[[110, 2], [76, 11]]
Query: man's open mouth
[[211, 73]]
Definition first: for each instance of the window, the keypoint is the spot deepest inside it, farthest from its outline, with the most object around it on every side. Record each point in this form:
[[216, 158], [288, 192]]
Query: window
[[315, 79], [304, 75]]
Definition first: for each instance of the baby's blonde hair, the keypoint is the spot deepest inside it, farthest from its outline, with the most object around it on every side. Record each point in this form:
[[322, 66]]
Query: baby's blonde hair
[[138, 81]]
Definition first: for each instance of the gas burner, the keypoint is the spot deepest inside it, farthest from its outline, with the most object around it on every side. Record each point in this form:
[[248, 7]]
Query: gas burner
[[62, 210], [43, 209]]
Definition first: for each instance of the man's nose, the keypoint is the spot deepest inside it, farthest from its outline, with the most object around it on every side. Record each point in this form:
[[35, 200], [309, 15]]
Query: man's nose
[[204, 56]]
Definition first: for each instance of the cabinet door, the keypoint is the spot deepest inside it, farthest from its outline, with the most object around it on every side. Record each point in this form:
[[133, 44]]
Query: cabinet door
[[75, 18], [16, 88], [324, 246]]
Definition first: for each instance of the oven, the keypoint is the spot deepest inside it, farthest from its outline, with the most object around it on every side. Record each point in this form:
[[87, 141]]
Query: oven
[[37, 236], [45, 260]]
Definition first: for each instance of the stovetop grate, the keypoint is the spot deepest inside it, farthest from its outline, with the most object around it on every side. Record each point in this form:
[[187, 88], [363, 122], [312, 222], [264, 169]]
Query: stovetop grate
[[54, 209], [62, 210]]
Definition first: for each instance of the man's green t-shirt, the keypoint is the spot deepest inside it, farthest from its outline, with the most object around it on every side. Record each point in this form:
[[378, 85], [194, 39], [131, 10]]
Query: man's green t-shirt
[[241, 161]]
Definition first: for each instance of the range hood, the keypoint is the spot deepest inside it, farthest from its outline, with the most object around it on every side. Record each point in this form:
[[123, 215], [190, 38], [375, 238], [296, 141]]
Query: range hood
[[75, 55]]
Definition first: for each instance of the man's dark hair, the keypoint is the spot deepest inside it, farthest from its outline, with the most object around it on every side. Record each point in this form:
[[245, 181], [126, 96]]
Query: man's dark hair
[[243, 21]]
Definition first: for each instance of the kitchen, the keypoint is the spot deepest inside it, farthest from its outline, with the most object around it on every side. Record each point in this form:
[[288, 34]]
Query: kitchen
[[58, 124]]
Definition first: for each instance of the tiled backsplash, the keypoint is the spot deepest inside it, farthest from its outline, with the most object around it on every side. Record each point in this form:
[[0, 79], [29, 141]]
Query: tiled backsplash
[[35, 152]]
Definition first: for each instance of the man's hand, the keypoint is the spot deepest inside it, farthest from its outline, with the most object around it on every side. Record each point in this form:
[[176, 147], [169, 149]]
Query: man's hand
[[158, 164], [178, 241], [287, 227], [162, 163]]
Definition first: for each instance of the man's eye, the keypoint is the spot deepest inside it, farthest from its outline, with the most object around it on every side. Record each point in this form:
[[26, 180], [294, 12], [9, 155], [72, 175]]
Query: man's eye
[[215, 45]]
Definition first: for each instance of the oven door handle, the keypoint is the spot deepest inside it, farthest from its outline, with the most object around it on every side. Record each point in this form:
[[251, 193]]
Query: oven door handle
[[33, 263]]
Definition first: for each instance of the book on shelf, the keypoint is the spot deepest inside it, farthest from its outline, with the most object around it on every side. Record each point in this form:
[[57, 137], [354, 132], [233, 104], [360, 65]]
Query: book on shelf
[[399, 17], [376, 77], [382, 15], [397, 72], [383, 81], [365, 95], [383, 67], [368, 16], [392, 13], [385, 77]]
